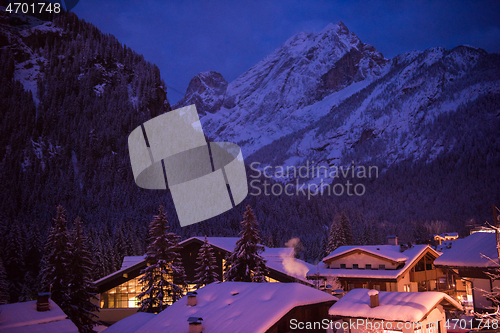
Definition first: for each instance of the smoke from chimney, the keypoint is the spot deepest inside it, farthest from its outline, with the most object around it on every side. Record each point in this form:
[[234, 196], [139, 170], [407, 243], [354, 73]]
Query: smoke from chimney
[[292, 266]]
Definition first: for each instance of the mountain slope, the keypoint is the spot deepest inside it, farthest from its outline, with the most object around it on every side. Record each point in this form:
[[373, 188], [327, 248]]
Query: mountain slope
[[276, 96], [426, 119], [331, 99], [207, 91], [392, 118]]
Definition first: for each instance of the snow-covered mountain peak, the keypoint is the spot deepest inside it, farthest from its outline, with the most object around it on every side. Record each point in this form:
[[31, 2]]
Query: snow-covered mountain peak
[[299, 74], [338, 28], [206, 90], [327, 97]]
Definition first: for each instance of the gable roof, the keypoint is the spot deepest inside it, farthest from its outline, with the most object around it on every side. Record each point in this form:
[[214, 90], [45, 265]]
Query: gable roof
[[23, 317], [224, 243], [225, 307], [127, 267], [130, 261], [469, 251], [413, 254], [280, 259], [393, 306], [388, 252]]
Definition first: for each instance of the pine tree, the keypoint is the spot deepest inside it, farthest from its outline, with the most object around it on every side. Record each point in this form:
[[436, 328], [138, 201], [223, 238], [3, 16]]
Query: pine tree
[[346, 228], [246, 264], [57, 260], [32, 261], [81, 309], [178, 272], [4, 285], [164, 267], [206, 270], [14, 262], [119, 245], [336, 236]]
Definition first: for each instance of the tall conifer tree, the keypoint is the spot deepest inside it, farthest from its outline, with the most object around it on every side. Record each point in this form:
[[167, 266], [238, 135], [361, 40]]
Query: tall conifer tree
[[80, 292], [57, 260], [206, 270], [164, 277], [246, 264]]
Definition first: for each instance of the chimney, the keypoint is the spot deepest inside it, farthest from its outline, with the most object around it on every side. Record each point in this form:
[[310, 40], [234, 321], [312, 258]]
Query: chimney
[[195, 324], [392, 240], [374, 301], [403, 247], [42, 302], [191, 301]]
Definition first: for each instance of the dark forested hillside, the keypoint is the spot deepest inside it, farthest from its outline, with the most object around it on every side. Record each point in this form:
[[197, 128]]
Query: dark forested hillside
[[69, 97]]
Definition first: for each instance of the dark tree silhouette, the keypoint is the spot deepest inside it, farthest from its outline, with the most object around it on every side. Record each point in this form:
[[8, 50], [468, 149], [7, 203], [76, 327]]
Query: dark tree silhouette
[[164, 267], [206, 270], [246, 264], [55, 274], [81, 308]]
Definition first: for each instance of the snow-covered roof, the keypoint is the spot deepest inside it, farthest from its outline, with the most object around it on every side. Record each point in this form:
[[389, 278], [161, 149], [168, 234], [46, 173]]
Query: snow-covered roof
[[128, 267], [270, 252], [130, 261], [284, 261], [224, 243], [236, 307], [445, 245], [469, 251], [390, 252], [131, 323], [412, 254], [229, 243], [393, 306], [446, 236], [23, 317], [280, 259]]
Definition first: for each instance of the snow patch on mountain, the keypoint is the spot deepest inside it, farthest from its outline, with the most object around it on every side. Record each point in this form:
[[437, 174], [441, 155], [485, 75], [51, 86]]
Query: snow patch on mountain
[[330, 100], [293, 87], [27, 72]]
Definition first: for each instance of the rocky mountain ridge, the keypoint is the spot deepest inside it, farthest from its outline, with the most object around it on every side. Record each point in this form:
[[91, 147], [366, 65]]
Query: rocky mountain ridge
[[330, 99]]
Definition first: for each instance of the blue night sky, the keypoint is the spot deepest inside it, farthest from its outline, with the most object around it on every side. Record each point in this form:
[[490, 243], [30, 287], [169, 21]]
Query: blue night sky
[[187, 37]]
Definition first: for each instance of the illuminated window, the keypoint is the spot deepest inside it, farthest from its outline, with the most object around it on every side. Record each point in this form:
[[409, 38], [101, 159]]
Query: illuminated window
[[122, 296], [125, 295], [270, 279], [224, 269]]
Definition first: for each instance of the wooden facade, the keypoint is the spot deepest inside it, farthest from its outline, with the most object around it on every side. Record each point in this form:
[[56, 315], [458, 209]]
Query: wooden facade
[[305, 313], [419, 275]]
